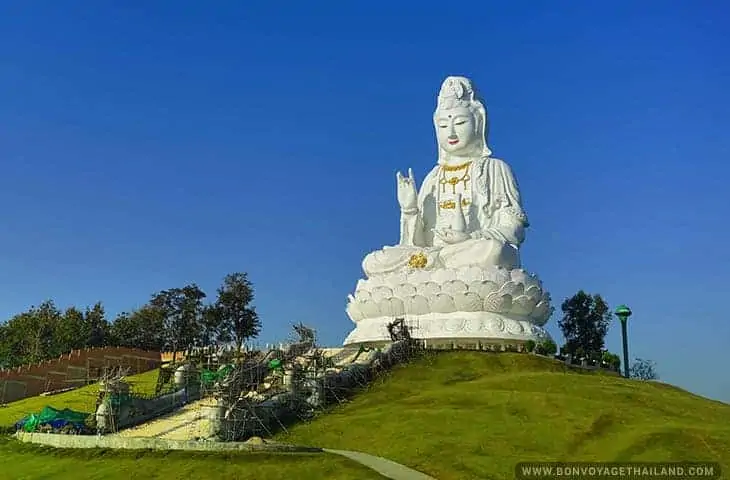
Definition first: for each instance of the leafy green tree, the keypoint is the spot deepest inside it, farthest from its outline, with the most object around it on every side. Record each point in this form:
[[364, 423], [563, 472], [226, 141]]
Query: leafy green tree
[[70, 332], [143, 329], [214, 326], [183, 312], [238, 316], [7, 356], [32, 334], [585, 324], [96, 327]]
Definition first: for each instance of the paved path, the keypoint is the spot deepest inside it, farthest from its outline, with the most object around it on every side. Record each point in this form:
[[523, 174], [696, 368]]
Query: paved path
[[385, 467], [187, 424]]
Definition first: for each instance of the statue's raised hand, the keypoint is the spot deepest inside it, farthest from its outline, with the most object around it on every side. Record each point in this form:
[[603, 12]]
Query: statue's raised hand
[[407, 195]]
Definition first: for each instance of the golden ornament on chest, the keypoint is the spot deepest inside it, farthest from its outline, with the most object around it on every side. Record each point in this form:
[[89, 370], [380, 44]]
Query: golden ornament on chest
[[454, 181]]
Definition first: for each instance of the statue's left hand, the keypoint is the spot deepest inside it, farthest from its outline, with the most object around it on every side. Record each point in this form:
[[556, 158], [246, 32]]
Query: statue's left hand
[[451, 236]]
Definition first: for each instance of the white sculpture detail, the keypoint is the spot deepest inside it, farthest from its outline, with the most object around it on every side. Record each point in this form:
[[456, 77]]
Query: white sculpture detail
[[456, 270]]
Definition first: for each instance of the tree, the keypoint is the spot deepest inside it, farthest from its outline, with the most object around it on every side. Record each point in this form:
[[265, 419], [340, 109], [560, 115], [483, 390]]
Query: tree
[[70, 333], [183, 310], [585, 324], [238, 317], [143, 329], [31, 335], [96, 327], [214, 326], [7, 357], [643, 370]]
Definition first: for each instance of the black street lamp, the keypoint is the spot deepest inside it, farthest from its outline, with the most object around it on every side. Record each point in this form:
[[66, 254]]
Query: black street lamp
[[623, 313]]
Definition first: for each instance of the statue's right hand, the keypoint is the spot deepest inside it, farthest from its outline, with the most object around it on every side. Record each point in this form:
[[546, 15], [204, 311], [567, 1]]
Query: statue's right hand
[[407, 195]]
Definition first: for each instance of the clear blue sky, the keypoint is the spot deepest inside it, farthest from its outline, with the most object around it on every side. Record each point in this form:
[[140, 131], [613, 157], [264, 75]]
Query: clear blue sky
[[146, 146]]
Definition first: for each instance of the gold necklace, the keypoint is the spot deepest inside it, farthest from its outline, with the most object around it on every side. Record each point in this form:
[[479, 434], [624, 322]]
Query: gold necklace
[[455, 168], [453, 181]]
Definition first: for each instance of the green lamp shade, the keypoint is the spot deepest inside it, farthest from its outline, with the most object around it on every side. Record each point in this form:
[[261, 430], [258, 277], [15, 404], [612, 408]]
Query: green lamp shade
[[623, 312]]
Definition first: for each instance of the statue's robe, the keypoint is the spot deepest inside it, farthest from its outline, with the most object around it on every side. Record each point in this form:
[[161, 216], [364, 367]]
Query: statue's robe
[[494, 219]]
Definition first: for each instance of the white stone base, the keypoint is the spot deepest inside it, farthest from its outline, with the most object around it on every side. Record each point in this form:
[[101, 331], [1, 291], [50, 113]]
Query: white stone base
[[486, 327]]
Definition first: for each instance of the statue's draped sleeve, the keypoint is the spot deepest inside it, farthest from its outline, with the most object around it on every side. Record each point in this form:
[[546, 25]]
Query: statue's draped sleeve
[[501, 216]]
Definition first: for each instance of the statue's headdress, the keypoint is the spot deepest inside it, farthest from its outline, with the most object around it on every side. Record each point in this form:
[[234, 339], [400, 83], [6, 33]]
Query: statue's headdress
[[460, 92]]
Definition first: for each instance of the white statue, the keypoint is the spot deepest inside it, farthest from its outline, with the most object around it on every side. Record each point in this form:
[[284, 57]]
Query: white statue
[[456, 270], [468, 211]]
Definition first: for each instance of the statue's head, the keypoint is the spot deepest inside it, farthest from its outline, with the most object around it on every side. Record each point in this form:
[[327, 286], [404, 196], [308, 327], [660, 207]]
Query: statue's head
[[460, 120]]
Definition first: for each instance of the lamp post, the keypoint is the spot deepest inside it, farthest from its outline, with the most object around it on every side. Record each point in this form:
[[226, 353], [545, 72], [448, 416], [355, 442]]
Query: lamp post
[[623, 313]]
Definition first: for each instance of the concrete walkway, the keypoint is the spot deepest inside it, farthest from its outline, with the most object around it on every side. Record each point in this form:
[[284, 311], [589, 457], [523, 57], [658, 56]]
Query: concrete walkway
[[385, 467], [187, 424]]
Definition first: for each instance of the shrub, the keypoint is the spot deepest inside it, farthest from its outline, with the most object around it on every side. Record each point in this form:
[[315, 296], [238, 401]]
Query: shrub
[[530, 346], [612, 360], [546, 347]]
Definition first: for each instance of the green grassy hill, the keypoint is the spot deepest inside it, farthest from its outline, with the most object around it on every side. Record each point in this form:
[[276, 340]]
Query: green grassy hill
[[454, 415], [81, 399], [471, 415]]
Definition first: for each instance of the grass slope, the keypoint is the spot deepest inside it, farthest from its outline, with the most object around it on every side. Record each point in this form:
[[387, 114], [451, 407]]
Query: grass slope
[[29, 462], [81, 399], [26, 462], [471, 415]]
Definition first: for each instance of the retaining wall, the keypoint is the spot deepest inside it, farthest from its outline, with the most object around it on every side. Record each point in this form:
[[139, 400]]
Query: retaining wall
[[148, 443], [74, 369]]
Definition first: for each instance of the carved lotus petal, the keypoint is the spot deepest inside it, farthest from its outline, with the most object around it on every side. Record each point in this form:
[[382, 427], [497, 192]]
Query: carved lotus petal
[[533, 291], [497, 303], [483, 288], [442, 303], [454, 286], [375, 281], [540, 313], [404, 290], [392, 307], [416, 305], [512, 289], [369, 309], [428, 289], [354, 312], [518, 275], [471, 274], [362, 285], [468, 302], [379, 294], [418, 276], [523, 305], [443, 275], [362, 295], [531, 282], [501, 275], [395, 280]]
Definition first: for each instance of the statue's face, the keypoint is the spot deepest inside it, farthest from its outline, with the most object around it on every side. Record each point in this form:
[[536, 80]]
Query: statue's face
[[456, 129]]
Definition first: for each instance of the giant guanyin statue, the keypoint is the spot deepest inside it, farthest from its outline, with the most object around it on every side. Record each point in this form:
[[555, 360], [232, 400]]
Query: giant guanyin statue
[[456, 273]]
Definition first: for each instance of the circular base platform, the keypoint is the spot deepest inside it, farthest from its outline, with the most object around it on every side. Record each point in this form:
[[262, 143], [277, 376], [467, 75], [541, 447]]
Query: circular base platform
[[468, 326]]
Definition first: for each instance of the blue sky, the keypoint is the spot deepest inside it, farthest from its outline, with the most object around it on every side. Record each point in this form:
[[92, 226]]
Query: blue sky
[[144, 145]]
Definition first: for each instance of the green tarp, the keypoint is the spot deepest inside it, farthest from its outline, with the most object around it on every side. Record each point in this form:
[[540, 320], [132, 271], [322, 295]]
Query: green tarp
[[208, 377], [50, 415]]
